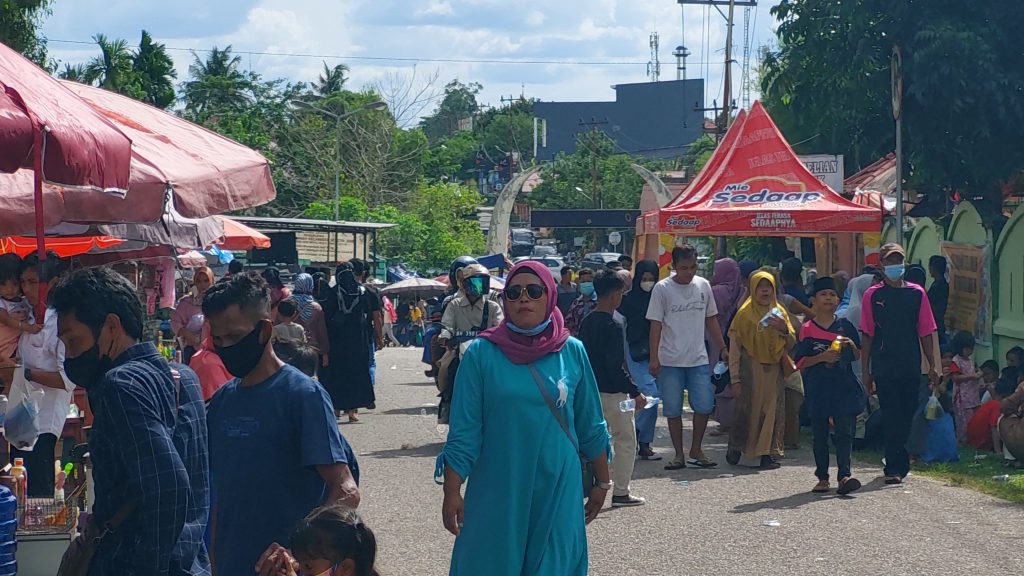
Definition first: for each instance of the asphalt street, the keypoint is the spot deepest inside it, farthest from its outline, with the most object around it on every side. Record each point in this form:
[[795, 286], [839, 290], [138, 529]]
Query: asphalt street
[[718, 522]]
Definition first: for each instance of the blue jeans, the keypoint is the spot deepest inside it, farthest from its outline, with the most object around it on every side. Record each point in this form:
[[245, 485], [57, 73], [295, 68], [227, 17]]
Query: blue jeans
[[373, 362], [645, 419], [696, 380]]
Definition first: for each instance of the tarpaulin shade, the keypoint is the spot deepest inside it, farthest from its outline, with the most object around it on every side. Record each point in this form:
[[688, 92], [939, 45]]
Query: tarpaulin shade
[[238, 236], [205, 173], [64, 246], [82, 148], [760, 188]]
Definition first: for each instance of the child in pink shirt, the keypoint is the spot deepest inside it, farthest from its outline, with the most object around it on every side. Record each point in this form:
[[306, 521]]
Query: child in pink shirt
[[967, 381]]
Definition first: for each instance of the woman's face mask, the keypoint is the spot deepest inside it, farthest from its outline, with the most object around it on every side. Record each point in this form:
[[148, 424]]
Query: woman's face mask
[[647, 286]]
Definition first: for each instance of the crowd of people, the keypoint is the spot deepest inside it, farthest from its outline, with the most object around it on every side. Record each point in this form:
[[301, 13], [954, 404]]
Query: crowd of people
[[180, 465], [864, 362]]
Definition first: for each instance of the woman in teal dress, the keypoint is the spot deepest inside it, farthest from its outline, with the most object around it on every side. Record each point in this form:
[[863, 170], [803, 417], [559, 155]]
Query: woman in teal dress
[[523, 512]]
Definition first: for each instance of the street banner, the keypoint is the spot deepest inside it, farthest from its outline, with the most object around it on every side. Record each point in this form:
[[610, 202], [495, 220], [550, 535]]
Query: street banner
[[969, 290]]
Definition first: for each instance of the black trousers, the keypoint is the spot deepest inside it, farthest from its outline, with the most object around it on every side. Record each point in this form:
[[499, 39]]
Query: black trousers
[[39, 463], [843, 440], [897, 398]]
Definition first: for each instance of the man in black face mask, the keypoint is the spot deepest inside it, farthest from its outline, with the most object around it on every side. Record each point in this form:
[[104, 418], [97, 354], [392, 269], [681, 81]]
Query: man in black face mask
[[148, 442], [271, 415]]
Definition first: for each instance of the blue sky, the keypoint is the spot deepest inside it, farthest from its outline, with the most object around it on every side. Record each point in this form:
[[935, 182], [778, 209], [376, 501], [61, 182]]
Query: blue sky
[[578, 30]]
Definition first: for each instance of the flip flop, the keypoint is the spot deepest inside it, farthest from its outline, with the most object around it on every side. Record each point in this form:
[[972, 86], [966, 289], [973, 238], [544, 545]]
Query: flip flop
[[675, 465], [702, 462]]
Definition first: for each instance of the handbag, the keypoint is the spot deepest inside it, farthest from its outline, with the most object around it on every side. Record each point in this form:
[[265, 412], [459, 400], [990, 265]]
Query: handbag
[[78, 557], [588, 479]]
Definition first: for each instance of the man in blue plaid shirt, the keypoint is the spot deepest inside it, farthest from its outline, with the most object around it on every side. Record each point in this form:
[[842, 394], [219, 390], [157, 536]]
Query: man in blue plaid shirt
[[148, 442]]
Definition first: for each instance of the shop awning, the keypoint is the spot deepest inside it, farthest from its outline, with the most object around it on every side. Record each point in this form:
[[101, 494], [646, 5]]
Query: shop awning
[[761, 188]]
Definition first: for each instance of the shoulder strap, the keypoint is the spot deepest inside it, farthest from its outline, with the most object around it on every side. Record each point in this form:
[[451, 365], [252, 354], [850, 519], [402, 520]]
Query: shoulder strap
[[551, 405]]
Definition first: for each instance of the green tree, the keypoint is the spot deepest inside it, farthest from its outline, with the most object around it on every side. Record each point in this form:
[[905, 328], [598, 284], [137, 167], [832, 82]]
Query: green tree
[[154, 72], [331, 81], [828, 84], [216, 84], [459, 104], [19, 27], [112, 69], [77, 73]]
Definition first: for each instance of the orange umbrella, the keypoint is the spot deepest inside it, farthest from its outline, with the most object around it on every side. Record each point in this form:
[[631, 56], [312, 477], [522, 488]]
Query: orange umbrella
[[238, 236], [64, 246]]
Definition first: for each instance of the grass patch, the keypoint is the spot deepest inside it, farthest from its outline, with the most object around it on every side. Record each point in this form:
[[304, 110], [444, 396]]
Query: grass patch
[[969, 472]]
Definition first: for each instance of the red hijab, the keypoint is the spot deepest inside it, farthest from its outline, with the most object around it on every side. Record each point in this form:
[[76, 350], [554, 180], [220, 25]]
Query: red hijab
[[522, 349]]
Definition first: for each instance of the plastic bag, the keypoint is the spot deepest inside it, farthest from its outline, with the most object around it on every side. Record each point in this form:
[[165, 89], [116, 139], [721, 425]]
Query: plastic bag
[[21, 423], [933, 410]]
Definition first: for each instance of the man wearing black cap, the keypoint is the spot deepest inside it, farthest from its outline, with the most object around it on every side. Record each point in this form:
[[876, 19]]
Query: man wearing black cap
[[898, 325]]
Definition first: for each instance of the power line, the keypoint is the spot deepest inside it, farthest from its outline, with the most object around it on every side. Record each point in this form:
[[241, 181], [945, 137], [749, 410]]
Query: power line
[[251, 53]]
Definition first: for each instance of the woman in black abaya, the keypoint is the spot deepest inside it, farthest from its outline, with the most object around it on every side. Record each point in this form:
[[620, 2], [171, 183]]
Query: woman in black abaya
[[347, 374]]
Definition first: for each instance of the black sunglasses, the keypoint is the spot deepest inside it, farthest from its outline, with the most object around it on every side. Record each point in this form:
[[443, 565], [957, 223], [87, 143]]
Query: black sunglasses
[[533, 291]]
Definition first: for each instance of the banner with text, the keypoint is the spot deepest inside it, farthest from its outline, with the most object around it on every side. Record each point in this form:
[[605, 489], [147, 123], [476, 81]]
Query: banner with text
[[970, 291]]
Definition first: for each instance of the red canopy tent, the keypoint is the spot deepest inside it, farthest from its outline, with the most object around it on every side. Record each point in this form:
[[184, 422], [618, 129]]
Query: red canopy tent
[[64, 246], [238, 236], [760, 188], [711, 166]]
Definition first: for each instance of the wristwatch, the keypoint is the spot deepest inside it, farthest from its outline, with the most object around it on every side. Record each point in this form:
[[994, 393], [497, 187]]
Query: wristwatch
[[603, 485]]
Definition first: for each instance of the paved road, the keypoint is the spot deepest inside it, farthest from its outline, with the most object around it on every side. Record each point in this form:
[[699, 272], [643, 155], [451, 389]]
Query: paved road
[[710, 525]]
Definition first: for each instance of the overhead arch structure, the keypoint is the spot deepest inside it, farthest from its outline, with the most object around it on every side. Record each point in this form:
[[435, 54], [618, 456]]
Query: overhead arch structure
[[497, 236]]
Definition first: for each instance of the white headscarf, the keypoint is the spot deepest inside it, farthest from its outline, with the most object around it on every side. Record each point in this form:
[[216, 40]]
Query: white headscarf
[[858, 286]]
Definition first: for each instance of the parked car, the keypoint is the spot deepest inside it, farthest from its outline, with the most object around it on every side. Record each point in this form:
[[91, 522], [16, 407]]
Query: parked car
[[552, 263], [544, 251], [522, 242], [597, 260]]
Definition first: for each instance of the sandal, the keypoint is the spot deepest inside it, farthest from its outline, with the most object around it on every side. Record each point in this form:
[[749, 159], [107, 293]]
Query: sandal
[[821, 487], [675, 464], [847, 485], [893, 480], [702, 462]]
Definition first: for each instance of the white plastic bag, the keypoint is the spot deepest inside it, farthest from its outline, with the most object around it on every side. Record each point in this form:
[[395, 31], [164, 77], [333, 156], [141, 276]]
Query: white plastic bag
[[21, 423]]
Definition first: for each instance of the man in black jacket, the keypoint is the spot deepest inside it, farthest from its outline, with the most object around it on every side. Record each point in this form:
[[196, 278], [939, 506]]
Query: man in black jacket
[[603, 338]]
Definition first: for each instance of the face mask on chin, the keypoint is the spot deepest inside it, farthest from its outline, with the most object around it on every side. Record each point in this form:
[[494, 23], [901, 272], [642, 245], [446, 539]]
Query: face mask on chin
[[242, 357]]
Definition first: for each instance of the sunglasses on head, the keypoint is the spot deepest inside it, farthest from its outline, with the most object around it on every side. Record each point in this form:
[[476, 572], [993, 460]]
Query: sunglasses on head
[[533, 291]]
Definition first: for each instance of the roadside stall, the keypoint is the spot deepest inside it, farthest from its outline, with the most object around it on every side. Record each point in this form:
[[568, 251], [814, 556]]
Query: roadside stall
[[758, 187]]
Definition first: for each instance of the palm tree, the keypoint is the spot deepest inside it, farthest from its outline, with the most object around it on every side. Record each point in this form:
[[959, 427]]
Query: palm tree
[[331, 81], [113, 67], [215, 84], [154, 71], [77, 73]]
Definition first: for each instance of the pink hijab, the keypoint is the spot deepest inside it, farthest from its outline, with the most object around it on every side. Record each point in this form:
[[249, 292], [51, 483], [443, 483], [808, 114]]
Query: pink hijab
[[726, 286], [522, 349]]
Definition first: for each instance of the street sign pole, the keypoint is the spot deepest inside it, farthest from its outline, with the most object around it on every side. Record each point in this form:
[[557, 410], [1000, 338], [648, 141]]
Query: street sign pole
[[897, 115]]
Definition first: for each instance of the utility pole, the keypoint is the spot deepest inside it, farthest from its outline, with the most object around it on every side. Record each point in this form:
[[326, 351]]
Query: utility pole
[[727, 81], [595, 193]]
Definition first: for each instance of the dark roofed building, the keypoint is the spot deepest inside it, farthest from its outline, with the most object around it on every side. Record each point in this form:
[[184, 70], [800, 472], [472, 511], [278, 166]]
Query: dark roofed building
[[656, 119]]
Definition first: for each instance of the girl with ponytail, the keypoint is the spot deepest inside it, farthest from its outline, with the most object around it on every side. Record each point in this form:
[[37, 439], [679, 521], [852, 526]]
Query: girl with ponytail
[[331, 541]]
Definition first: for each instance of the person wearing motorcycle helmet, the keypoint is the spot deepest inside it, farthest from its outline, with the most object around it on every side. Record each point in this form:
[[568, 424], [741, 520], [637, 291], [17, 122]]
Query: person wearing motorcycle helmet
[[431, 351], [470, 312]]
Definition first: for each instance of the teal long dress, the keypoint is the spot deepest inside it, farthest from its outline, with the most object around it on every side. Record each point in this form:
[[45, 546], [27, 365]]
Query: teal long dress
[[524, 499]]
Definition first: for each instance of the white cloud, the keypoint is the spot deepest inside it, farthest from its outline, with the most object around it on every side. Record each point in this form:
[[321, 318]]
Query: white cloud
[[536, 30]]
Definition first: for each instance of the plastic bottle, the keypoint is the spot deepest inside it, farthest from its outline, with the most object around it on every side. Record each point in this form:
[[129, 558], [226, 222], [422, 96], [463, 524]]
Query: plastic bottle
[[1002, 478], [837, 345], [20, 474], [629, 404], [59, 478]]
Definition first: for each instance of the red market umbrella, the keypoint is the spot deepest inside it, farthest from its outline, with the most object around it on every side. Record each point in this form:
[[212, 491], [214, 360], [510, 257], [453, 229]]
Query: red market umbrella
[[46, 128], [238, 236], [64, 246]]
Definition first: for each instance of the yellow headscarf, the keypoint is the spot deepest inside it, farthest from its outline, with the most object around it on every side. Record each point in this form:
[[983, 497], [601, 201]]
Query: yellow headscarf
[[765, 345]]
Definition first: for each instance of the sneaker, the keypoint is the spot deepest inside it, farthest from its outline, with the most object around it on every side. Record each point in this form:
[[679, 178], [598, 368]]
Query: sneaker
[[628, 500]]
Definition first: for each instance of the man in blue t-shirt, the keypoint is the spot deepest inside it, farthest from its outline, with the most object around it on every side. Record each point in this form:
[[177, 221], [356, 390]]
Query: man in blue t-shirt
[[275, 449]]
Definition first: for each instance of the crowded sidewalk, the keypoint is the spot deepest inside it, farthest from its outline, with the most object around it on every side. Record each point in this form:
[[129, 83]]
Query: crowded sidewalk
[[697, 521]]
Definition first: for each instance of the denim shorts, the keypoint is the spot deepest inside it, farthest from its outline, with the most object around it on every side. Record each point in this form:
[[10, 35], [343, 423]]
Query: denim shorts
[[672, 380]]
